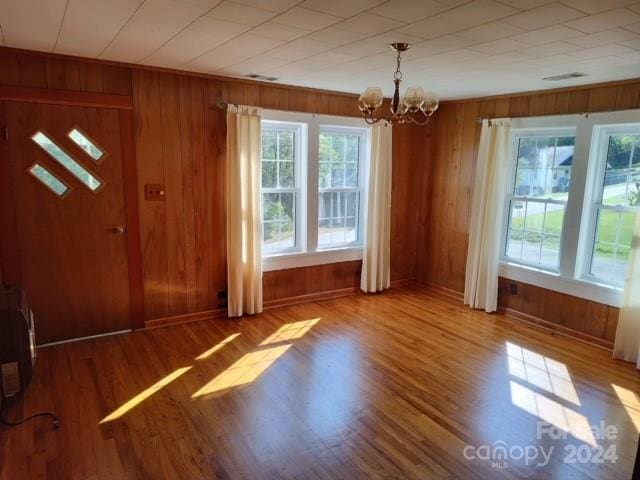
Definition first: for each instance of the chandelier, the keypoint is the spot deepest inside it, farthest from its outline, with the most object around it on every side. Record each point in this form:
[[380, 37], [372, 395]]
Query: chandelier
[[415, 107]]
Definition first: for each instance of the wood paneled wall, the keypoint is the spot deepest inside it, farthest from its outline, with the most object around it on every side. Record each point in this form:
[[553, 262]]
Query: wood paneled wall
[[31, 69], [180, 136], [180, 144], [445, 205]]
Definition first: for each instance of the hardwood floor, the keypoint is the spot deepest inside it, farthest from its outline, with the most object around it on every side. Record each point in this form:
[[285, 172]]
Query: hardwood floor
[[405, 384]]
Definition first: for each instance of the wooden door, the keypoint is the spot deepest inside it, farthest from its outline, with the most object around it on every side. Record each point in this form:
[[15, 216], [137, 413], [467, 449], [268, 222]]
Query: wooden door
[[70, 219]]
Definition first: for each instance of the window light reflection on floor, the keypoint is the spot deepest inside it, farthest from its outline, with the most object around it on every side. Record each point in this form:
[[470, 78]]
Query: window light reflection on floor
[[542, 372], [144, 395], [552, 412], [217, 347], [290, 331], [631, 403], [245, 370]]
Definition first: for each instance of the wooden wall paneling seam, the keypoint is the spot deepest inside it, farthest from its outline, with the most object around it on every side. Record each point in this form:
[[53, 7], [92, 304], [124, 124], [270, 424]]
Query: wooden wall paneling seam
[[65, 97], [9, 249], [132, 213]]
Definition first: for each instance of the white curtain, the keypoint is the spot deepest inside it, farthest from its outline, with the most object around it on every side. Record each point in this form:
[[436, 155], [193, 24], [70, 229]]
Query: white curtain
[[376, 254], [483, 256], [627, 345], [244, 226]]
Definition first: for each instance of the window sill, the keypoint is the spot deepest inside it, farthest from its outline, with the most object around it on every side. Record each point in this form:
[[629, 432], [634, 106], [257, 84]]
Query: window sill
[[308, 259], [571, 286]]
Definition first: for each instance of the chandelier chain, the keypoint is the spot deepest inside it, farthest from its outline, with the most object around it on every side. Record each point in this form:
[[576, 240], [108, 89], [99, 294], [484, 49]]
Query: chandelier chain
[[398, 74]]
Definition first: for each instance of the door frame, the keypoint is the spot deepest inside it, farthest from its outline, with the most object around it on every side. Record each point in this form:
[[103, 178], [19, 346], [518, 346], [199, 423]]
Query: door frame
[[10, 272]]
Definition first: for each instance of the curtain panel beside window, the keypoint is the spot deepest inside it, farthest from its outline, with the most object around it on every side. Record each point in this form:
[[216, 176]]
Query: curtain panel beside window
[[483, 256], [376, 253], [244, 222]]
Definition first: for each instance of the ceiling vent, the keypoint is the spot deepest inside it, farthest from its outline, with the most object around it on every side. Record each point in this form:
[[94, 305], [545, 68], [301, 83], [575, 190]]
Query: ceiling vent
[[255, 76], [565, 76]]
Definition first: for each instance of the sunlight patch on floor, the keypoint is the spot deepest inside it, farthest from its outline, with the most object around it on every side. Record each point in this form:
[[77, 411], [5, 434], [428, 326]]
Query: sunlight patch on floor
[[552, 412], [217, 347], [145, 394], [631, 403], [542, 372], [290, 331], [244, 371]]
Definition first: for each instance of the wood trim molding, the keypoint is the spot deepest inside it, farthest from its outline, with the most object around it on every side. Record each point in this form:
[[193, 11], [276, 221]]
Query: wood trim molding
[[555, 328], [311, 297], [66, 97], [187, 317], [9, 249], [132, 218]]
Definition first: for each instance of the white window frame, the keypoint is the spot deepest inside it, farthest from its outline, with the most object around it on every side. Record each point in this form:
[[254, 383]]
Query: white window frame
[[510, 196], [595, 178], [362, 133], [578, 233], [307, 252], [300, 166]]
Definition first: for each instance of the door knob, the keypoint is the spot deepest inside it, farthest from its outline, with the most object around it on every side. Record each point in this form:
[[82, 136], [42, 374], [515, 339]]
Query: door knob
[[118, 230]]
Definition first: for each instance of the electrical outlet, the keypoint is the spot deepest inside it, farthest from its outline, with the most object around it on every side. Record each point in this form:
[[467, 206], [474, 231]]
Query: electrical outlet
[[154, 192], [513, 288]]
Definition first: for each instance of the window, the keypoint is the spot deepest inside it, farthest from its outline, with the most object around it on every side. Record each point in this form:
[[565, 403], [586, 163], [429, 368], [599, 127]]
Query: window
[[616, 201], [313, 172], [340, 157], [538, 198], [572, 197], [49, 179], [83, 141], [64, 159], [281, 165]]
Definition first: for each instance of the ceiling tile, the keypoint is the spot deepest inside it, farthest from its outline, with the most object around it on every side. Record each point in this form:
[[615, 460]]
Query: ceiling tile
[[490, 31], [340, 8], [89, 25], [257, 65], [409, 10], [602, 51], [31, 24], [441, 44], [278, 31], [632, 43], [605, 21], [549, 49], [271, 5], [477, 12], [335, 36], [597, 6], [547, 35], [298, 49], [614, 35], [153, 24], [233, 52], [237, 13], [499, 46], [527, 4], [307, 19], [544, 16], [635, 27], [432, 27], [369, 24], [201, 36]]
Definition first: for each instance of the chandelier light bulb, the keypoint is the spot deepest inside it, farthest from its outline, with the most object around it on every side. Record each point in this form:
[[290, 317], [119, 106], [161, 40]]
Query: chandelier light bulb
[[371, 98], [414, 98]]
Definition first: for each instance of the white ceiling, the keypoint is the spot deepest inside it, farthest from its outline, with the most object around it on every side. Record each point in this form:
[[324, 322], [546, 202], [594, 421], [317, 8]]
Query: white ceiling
[[461, 48]]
